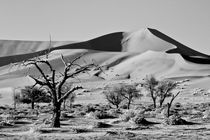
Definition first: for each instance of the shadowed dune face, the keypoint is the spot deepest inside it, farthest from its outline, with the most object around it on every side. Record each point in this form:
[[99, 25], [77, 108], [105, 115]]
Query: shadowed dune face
[[186, 52]]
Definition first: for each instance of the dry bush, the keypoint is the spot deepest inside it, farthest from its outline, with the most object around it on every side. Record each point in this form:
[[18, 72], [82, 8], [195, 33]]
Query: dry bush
[[114, 113], [96, 107], [90, 108], [82, 130], [176, 120], [120, 135], [128, 115], [99, 115], [6, 123], [101, 125]]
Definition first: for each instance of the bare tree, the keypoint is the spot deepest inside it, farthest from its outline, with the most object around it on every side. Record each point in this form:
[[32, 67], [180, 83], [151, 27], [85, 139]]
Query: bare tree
[[164, 89], [54, 81], [150, 84], [129, 92]]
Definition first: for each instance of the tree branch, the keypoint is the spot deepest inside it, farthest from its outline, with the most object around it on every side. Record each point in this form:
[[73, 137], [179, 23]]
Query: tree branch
[[34, 62], [68, 93], [82, 69], [173, 97], [38, 81]]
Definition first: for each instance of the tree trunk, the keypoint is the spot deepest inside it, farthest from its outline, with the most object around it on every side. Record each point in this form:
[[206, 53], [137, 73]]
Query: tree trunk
[[117, 106], [70, 105], [56, 115], [129, 103], [168, 110], [64, 104], [161, 103], [154, 102], [32, 105]]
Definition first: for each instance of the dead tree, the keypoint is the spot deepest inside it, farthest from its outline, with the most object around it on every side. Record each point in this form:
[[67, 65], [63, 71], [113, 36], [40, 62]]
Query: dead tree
[[54, 81]]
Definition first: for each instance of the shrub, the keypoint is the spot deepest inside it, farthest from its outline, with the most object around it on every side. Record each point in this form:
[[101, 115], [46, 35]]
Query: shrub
[[90, 108], [101, 125], [113, 113], [139, 119], [128, 115], [176, 120], [100, 115]]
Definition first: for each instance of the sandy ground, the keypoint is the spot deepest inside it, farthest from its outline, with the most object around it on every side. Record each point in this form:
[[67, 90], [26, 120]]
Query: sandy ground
[[82, 127]]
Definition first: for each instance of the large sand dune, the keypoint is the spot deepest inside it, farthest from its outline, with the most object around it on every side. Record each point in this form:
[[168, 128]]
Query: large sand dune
[[121, 55]]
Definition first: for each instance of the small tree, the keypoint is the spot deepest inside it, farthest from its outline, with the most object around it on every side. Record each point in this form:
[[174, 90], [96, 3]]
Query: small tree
[[164, 89], [129, 92], [150, 84], [113, 96], [170, 103], [33, 95]]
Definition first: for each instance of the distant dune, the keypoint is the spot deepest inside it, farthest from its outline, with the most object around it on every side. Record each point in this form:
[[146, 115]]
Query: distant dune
[[121, 55]]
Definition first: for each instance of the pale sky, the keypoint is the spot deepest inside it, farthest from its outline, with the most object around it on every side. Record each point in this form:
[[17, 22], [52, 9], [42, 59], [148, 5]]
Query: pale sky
[[187, 21]]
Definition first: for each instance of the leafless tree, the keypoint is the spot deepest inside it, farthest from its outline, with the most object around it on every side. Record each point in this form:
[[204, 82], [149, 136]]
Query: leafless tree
[[54, 81]]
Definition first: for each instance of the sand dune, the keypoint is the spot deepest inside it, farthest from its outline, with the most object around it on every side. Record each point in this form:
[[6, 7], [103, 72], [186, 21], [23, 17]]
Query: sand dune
[[143, 40], [121, 55], [159, 64]]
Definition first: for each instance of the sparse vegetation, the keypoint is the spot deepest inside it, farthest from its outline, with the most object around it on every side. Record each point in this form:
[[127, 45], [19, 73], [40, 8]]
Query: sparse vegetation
[[122, 92], [135, 115]]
